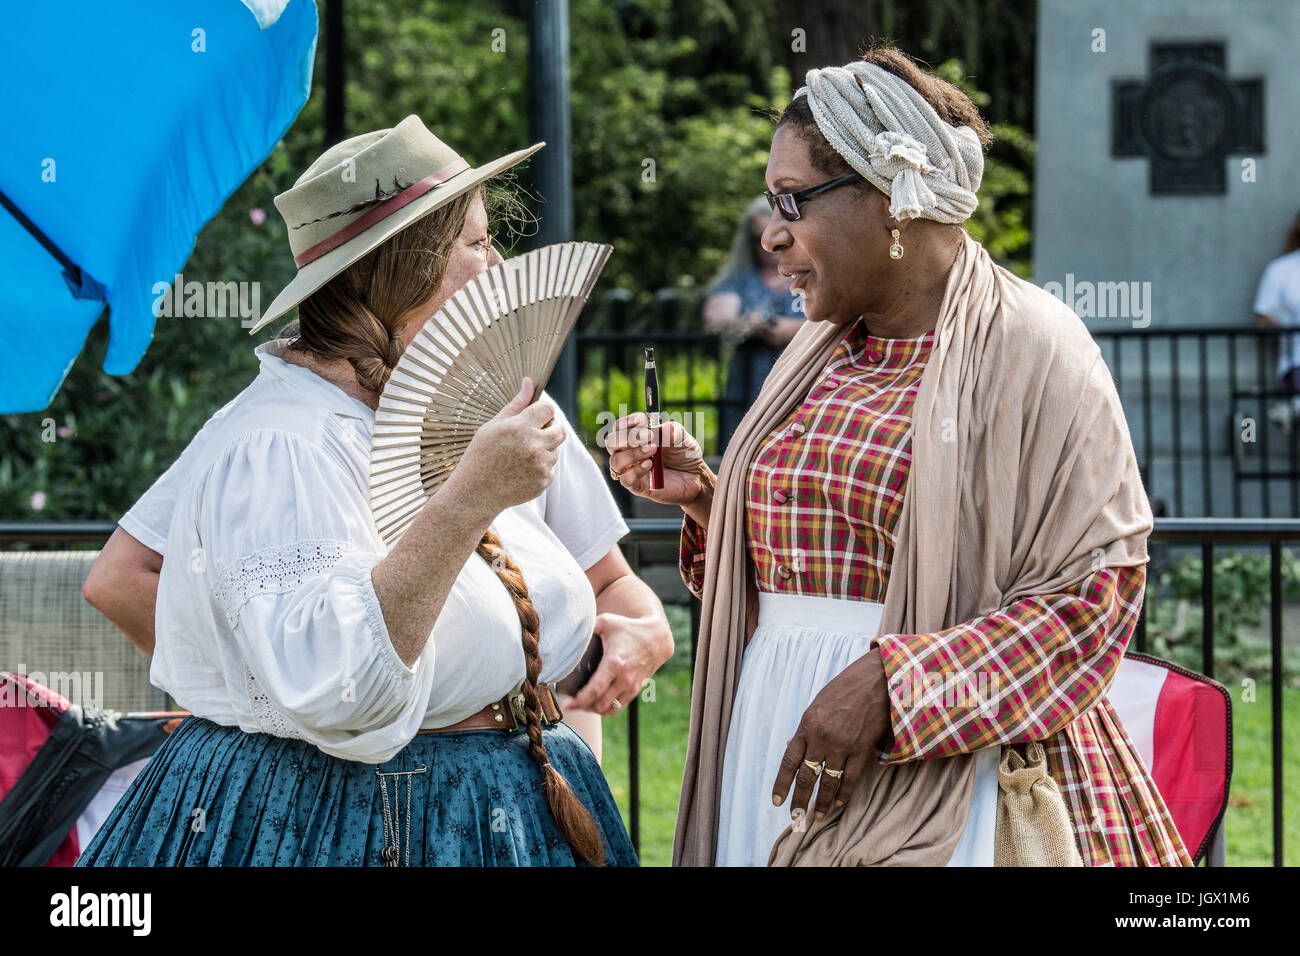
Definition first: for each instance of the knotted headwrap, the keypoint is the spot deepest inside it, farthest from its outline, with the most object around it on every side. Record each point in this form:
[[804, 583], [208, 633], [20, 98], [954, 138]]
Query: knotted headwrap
[[890, 135]]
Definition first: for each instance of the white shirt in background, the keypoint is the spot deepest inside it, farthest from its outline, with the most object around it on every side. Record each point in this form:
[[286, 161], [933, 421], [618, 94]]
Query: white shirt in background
[[1278, 297]]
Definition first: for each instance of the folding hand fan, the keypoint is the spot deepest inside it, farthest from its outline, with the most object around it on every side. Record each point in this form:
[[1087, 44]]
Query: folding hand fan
[[466, 364]]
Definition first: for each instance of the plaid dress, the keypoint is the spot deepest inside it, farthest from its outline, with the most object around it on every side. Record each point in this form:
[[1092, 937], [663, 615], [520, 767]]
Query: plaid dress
[[824, 492]]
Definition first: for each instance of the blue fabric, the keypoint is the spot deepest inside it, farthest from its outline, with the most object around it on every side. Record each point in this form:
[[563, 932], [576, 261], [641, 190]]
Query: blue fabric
[[147, 138], [755, 294], [275, 801], [753, 358]]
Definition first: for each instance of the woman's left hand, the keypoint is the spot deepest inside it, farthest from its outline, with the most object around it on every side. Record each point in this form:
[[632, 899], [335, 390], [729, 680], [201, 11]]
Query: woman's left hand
[[841, 728], [633, 649]]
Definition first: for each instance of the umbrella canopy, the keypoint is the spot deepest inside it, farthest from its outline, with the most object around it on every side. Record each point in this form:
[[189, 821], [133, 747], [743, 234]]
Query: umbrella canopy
[[124, 133]]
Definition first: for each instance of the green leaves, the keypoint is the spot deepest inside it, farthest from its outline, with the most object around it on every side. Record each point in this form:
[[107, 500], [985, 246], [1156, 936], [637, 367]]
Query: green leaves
[[1002, 221], [1175, 622], [685, 86]]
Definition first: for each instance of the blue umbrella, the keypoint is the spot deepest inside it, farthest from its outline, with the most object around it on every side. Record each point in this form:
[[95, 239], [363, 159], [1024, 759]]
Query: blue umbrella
[[123, 135]]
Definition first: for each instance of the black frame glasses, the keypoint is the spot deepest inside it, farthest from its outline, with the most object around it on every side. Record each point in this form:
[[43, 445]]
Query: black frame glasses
[[788, 203]]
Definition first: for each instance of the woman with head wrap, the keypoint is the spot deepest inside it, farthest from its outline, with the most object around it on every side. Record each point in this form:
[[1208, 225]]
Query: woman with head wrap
[[927, 540]]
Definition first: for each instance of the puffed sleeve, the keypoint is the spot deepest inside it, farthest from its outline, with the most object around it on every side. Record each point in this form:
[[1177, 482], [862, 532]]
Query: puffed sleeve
[[290, 543], [150, 517]]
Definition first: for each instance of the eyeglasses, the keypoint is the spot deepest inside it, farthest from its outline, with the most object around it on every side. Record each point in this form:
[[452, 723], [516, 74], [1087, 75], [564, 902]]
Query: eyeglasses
[[788, 203]]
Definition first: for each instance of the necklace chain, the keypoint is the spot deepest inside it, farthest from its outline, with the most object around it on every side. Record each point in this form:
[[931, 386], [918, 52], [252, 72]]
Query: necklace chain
[[392, 819]]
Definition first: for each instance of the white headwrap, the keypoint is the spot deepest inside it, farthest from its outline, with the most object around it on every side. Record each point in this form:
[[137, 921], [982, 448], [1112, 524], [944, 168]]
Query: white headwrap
[[889, 134]]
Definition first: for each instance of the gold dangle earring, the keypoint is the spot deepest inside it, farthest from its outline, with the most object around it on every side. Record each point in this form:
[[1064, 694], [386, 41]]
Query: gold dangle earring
[[895, 250]]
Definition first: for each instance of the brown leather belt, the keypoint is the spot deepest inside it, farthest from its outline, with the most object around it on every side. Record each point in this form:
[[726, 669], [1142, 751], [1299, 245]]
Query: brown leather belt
[[506, 714]]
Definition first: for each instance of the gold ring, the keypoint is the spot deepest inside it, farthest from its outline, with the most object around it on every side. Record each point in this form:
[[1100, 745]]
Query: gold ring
[[833, 773], [616, 705], [815, 767], [614, 474]]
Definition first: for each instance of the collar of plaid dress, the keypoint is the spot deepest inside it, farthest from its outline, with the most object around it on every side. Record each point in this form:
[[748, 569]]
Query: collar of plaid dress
[[364, 190], [890, 135]]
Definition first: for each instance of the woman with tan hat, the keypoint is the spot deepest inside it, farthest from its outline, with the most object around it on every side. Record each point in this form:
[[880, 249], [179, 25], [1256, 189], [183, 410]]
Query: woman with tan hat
[[355, 705], [926, 543]]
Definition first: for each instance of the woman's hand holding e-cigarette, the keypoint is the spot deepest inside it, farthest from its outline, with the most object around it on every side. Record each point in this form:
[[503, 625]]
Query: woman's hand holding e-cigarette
[[688, 481]]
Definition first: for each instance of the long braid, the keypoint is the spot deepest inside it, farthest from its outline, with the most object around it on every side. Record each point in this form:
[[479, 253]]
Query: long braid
[[574, 820]]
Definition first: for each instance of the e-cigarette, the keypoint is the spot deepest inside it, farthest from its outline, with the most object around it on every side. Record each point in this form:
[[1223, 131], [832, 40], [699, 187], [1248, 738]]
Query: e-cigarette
[[652, 413]]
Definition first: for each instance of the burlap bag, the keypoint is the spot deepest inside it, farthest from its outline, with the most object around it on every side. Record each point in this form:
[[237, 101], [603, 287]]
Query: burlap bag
[[1033, 827]]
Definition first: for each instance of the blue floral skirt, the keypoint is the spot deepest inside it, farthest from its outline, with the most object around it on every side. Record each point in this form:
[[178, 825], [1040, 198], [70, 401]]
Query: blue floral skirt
[[218, 796]]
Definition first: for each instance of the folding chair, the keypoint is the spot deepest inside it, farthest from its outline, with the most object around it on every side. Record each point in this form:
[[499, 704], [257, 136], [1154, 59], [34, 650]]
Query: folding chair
[[63, 769], [1181, 724]]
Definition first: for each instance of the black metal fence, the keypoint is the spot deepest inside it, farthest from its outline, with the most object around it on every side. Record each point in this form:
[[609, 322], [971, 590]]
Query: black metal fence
[[1212, 429]]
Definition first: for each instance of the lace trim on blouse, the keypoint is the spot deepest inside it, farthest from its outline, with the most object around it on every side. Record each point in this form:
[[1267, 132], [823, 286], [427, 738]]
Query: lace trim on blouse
[[269, 718], [275, 570]]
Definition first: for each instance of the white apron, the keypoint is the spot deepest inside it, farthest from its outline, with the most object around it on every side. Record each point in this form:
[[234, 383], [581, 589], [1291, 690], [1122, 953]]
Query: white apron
[[799, 645]]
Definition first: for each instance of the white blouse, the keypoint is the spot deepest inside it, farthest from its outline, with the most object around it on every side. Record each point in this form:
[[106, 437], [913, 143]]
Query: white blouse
[[267, 618]]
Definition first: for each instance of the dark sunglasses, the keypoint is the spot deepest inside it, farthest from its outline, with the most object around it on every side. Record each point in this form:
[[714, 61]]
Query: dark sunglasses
[[788, 203]]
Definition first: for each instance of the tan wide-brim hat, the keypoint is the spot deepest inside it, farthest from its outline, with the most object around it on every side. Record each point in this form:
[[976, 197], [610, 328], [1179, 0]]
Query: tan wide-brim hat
[[363, 191]]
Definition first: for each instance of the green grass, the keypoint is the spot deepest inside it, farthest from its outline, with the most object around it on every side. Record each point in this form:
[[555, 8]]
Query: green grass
[[1250, 800], [665, 724]]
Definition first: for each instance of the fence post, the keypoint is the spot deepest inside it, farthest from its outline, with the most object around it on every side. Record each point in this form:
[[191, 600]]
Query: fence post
[[548, 120]]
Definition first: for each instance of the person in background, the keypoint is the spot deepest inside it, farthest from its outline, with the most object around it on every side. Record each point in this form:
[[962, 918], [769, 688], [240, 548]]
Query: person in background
[[1277, 302], [750, 304]]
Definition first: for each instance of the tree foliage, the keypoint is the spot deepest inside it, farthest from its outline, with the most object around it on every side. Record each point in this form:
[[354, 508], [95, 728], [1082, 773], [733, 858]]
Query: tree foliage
[[671, 104]]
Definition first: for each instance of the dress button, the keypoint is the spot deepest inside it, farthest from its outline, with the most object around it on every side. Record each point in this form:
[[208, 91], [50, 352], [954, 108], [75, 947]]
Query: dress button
[[784, 572], [797, 428], [873, 356], [780, 496]]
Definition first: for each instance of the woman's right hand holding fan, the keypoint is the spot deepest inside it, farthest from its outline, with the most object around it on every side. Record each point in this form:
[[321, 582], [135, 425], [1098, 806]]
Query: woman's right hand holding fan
[[512, 457]]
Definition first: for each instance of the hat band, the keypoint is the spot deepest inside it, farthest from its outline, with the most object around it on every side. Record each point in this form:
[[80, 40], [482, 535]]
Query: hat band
[[381, 211]]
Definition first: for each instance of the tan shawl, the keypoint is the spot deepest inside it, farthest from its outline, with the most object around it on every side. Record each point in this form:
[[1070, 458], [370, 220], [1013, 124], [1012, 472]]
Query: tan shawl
[[1023, 481]]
